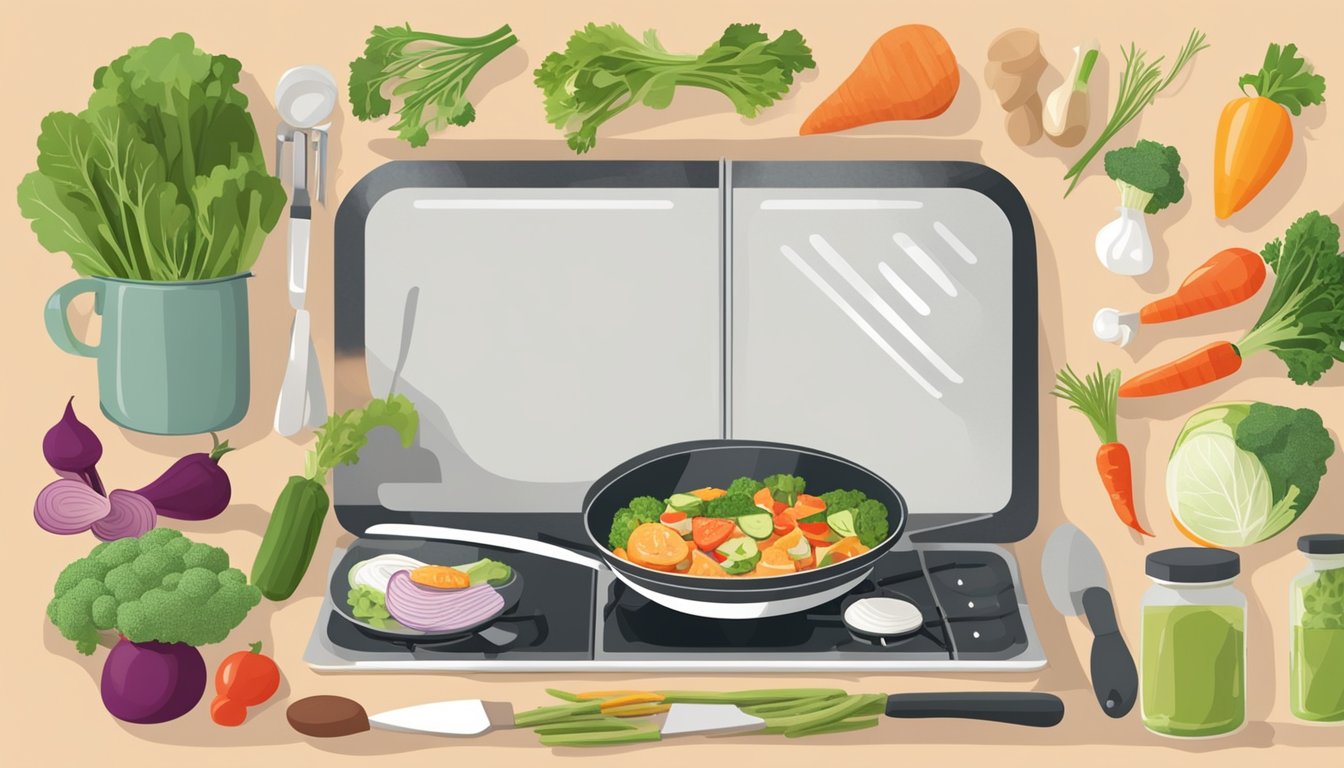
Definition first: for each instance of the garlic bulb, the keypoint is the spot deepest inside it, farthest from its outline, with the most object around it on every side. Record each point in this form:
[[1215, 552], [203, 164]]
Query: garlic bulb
[[1123, 246]]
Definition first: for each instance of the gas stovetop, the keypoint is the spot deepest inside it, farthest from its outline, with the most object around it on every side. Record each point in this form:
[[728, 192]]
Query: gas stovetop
[[574, 618]]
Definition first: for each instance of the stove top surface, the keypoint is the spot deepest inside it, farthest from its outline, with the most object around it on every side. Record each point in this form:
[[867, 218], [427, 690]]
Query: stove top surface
[[969, 595]]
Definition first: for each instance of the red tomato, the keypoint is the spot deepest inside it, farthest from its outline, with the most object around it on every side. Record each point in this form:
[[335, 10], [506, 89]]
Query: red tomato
[[709, 532]]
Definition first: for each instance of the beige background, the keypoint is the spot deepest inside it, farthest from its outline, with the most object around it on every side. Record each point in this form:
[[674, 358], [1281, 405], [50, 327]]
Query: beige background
[[51, 710]]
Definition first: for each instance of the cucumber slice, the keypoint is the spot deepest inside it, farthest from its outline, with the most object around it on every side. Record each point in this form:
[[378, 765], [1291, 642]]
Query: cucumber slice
[[738, 567], [758, 527], [742, 554], [688, 503], [842, 522]]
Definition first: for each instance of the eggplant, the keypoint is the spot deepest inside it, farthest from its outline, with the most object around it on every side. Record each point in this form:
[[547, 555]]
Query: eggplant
[[195, 487]]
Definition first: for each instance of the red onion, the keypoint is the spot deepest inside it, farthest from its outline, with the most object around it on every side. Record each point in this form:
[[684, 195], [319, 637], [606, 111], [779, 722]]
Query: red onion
[[440, 610], [71, 448], [69, 506], [131, 516]]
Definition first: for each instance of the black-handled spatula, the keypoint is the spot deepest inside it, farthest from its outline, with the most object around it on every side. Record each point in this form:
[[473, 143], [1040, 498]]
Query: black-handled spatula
[[1075, 580]]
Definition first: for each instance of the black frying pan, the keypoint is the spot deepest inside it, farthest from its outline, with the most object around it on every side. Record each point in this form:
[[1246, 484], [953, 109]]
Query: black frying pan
[[684, 466]]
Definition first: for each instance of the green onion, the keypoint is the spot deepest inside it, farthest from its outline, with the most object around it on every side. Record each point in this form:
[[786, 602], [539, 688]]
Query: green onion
[[1140, 82], [853, 724], [564, 695], [556, 713], [627, 733], [747, 698]]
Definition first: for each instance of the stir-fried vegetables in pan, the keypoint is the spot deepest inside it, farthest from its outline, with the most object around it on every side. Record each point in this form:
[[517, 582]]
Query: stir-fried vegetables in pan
[[751, 528]]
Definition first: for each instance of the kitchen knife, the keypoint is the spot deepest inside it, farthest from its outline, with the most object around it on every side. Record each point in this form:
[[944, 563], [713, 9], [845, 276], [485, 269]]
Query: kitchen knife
[[463, 717], [1075, 581], [1039, 710]]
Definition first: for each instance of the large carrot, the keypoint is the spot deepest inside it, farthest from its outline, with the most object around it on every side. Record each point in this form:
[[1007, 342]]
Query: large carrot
[[1230, 277], [1095, 398], [1255, 133], [1206, 364], [909, 73]]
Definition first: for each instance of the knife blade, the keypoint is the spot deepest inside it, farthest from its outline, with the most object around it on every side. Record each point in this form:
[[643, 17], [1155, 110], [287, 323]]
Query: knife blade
[[1039, 710], [1076, 583], [461, 717]]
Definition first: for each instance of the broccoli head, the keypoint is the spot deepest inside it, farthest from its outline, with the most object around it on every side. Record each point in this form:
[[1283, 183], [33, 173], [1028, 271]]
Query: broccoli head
[[870, 522], [1148, 174], [161, 586], [785, 488], [622, 525], [838, 501], [647, 508], [731, 505], [745, 485]]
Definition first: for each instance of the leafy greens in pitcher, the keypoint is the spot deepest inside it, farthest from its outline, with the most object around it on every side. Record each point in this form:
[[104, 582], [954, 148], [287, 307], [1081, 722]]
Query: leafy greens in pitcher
[[161, 177]]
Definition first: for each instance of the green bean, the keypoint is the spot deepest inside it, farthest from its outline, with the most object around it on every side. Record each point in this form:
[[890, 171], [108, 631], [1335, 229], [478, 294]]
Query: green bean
[[838, 711], [564, 695], [777, 708], [600, 724], [748, 697], [799, 707], [630, 733], [556, 713], [852, 724]]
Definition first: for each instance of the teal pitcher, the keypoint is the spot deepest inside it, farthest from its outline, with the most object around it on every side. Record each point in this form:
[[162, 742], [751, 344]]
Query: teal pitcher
[[173, 356]]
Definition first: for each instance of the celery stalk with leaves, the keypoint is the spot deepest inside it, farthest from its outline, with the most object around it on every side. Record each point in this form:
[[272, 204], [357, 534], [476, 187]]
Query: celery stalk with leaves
[[296, 522], [1140, 82], [428, 72], [604, 70]]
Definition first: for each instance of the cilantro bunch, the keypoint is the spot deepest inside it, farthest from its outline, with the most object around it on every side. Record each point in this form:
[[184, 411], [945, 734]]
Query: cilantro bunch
[[429, 72], [604, 70]]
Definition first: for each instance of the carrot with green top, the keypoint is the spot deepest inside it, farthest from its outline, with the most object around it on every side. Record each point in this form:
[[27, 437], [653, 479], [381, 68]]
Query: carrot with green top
[[1095, 397]]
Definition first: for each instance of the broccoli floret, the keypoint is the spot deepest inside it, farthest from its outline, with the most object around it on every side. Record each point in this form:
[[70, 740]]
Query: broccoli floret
[[785, 488], [161, 587], [838, 501], [1148, 174], [731, 505], [745, 485], [647, 508], [870, 522], [622, 525]]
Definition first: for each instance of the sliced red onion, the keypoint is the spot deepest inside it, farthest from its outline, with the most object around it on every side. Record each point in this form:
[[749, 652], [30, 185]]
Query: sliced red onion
[[131, 516], [69, 506], [440, 610]]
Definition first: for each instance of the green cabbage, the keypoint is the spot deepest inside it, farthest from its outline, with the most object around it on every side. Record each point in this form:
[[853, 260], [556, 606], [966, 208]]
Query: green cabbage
[[1243, 472]]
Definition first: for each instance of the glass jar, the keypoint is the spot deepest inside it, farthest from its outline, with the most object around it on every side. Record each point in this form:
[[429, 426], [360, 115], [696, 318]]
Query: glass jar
[[1316, 613], [1193, 653]]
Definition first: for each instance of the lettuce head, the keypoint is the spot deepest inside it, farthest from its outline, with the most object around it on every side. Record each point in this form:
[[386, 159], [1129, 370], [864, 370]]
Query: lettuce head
[[1243, 472]]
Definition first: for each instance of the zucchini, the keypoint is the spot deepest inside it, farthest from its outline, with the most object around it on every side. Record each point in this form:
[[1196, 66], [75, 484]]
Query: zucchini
[[758, 527], [291, 537]]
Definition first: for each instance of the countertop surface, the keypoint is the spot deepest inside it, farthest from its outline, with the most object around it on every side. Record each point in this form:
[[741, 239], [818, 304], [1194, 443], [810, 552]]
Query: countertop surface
[[51, 710]]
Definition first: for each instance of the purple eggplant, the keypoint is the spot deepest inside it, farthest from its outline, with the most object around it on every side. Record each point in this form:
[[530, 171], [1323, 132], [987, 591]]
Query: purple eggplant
[[194, 487], [73, 450]]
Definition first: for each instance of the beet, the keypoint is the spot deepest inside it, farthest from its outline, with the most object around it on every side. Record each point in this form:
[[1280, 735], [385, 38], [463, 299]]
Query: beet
[[152, 682], [195, 487]]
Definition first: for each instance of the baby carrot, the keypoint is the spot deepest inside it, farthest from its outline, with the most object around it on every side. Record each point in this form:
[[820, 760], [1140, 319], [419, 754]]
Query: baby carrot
[[1232, 276], [1208, 363], [1095, 398]]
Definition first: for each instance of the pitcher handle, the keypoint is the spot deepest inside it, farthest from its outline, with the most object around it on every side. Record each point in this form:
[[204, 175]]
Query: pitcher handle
[[58, 319]]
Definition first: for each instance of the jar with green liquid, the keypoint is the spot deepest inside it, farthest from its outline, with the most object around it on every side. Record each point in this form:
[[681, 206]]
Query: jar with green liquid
[[1316, 607], [1193, 651]]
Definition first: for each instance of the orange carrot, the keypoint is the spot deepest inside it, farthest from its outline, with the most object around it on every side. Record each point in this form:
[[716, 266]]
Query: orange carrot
[[1209, 363], [909, 73], [656, 546], [1095, 398], [1230, 277], [1118, 480], [1255, 133]]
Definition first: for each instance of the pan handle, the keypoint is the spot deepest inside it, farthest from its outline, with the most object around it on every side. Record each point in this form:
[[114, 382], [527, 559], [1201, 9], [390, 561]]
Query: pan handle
[[501, 540], [1039, 710]]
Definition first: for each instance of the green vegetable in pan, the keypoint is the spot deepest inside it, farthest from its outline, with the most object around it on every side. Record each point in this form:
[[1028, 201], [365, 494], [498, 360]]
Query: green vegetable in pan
[[429, 72], [604, 70], [291, 535]]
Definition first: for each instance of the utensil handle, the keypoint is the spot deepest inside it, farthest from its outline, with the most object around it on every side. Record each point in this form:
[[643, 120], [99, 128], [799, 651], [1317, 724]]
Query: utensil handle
[[502, 540], [1115, 681], [1039, 710]]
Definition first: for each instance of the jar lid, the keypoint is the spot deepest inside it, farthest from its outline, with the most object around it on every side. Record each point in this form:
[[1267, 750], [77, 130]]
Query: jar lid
[[1322, 544], [1193, 565]]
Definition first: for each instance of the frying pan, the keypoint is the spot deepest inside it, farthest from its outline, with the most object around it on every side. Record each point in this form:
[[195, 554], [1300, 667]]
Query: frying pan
[[511, 590], [681, 467]]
